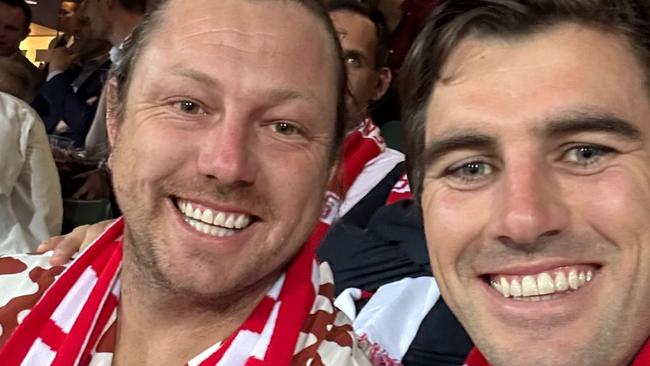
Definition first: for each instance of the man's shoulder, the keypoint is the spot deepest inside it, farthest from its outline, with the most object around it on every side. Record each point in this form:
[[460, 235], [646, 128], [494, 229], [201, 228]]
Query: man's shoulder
[[24, 279]]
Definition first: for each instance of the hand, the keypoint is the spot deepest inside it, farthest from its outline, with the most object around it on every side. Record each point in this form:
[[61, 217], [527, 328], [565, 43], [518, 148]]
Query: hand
[[96, 186], [66, 246], [61, 59]]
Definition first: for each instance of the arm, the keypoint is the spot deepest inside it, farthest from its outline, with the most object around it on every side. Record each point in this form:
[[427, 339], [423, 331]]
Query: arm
[[45, 188], [66, 246]]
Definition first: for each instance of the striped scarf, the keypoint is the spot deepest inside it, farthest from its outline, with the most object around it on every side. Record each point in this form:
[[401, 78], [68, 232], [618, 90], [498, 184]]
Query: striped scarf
[[65, 327], [360, 146]]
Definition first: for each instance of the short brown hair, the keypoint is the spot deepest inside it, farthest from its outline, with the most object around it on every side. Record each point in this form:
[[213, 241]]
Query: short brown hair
[[455, 20]]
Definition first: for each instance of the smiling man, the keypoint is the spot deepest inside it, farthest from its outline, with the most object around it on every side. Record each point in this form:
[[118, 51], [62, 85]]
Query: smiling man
[[531, 118], [220, 172]]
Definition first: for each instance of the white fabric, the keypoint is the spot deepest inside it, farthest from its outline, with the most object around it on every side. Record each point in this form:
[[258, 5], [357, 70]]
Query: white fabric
[[394, 313], [31, 209], [373, 172], [346, 301]]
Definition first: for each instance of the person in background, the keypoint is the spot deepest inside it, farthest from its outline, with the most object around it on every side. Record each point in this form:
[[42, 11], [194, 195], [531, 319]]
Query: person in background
[[30, 195], [112, 21], [15, 19], [368, 169], [528, 133], [74, 83], [67, 25]]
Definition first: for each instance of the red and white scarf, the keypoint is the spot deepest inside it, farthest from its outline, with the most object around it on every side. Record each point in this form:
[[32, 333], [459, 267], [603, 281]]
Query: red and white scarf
[[475, 357], [360, 146], [65, 327]]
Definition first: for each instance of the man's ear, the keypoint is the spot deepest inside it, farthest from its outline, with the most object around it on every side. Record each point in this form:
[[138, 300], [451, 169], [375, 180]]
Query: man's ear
[[112, 107], [384, 77]]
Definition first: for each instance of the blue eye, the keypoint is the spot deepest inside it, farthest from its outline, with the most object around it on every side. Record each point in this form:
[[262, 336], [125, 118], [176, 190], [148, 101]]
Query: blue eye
[[586, 155], [470, 172]]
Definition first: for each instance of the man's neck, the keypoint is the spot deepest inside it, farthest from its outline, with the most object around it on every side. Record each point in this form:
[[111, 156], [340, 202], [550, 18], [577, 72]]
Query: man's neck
[[155, 327]]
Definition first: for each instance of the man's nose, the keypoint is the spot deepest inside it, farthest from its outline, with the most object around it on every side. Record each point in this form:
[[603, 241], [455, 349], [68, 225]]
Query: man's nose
[[529, 205], [228, 153]]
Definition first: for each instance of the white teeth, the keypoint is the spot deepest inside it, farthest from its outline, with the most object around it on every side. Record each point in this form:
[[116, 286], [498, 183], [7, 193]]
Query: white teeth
[[505, 287], [230, 221], [573, 279], [545, 284], [207, 216], [219, 219], [208, 229], [515, 288], [561, 283], [216, 218], [242, 221], [529, 286], [533, 287]]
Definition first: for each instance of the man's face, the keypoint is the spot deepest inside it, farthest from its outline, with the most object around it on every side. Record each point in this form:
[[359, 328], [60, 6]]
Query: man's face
[[93, 20], [366, 83], [221, 161], [68, 17], [536, 196], [12, 29]]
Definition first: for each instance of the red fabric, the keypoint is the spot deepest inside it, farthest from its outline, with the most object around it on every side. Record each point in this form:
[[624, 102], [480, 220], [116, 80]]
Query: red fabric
[[401, 191], [643, 358], [360, 146], [475, 358], [96, 271]]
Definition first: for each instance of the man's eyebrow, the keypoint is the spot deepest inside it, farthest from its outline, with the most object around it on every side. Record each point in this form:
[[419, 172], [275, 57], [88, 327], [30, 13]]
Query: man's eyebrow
[[589, 122], [468, 140]]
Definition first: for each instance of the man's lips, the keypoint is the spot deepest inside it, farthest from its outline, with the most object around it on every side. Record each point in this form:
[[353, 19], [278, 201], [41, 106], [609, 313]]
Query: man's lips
[[211, 221], [541, 285]]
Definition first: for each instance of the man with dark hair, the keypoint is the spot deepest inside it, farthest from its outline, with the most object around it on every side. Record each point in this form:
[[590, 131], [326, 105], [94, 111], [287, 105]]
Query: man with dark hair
[[15, 18], [220, 173], [369, 168], [528, 135]]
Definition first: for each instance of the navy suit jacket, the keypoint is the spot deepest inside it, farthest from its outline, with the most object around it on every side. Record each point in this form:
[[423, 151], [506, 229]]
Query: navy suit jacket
[[58, 101]]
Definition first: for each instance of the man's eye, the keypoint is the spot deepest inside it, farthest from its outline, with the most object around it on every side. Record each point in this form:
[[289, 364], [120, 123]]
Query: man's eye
[[586, 155], [284, 128], [189, 107], [470, 172], [352, 61]]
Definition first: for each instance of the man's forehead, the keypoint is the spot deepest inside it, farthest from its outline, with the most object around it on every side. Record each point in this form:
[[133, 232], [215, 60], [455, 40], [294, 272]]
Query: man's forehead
[[349, 23], [514, 79], [242, 48]]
